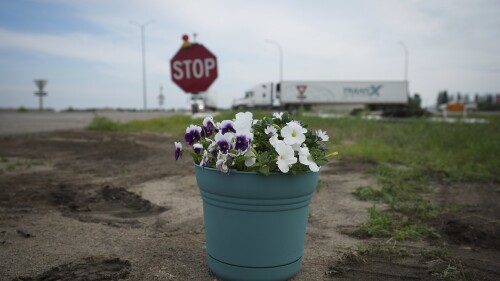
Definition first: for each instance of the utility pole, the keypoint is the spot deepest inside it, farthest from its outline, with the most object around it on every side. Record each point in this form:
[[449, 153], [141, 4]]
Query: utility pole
[[406, 68], [142, 27], [161, 98], [280, 49]]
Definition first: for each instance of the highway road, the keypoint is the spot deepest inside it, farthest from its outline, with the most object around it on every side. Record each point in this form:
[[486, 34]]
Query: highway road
[[14, 123]]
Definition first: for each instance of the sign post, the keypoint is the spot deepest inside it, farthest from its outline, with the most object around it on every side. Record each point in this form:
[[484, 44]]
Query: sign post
[[302, 90], [193, 68], [161, 98], [40, 93]]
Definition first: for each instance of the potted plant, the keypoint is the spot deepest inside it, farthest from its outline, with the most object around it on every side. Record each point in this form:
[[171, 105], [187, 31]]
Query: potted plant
[[256, 179]]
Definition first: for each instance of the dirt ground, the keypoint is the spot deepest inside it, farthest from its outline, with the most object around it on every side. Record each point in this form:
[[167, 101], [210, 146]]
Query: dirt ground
[[80, 205]]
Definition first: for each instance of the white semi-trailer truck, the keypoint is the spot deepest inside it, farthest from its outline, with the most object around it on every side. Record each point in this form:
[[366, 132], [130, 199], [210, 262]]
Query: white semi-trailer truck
[[204, 101], [292, 94]]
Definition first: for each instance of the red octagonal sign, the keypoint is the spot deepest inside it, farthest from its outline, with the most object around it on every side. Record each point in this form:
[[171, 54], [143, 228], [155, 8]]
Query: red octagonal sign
[[194, 68]]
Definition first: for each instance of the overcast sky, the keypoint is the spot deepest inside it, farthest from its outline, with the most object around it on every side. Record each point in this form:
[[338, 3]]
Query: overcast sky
[[91, 54]]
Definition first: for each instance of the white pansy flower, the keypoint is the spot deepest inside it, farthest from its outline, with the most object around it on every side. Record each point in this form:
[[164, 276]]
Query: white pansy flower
[[273, 140], [270, 130], [293, 133], [250, 161], [286, 156], [306, 158], [243, 122], [278, 115], [322, 135]]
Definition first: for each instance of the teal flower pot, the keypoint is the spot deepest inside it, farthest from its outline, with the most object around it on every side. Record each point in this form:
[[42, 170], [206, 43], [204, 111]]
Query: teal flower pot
[[255, 225]]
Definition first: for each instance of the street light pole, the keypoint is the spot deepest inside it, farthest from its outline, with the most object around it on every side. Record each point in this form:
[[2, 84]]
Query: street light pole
[[142, 27], [406, 67], [281, 61], [281, 56]]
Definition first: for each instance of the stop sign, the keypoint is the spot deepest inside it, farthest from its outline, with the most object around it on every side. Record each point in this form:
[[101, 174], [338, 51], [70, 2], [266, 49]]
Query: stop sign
[[194, 68]]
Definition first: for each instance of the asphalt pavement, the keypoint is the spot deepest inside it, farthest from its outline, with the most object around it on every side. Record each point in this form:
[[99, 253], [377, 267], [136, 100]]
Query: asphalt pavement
[[14, 123]]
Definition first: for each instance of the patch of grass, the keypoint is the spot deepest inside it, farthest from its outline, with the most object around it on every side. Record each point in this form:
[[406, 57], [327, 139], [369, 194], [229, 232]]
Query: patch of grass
[[13, 166], [415, 232], [379, 224], [389, 224], [397, 250], [103, 124], [362, 255], [175, 124], [368, 193], [440, 252], [407, 210], [451, 272], [458, 151], [400, 189]]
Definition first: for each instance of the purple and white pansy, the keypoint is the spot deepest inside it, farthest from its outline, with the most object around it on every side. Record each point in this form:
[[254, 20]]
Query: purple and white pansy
[[204, 159], [241, 141], [193, 134], [208, 126], [277, 144], [227, 126], [178, 150], [224, 141], [197, 147]]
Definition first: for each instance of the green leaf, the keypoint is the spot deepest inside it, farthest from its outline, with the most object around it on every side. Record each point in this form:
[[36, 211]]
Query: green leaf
[[264, 170]]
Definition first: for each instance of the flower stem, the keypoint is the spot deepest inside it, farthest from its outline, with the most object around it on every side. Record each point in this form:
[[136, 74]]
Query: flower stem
[[254, 151]]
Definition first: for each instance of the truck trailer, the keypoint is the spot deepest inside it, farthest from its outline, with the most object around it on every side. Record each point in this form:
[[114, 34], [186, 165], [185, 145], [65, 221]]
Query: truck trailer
[[289, 95]]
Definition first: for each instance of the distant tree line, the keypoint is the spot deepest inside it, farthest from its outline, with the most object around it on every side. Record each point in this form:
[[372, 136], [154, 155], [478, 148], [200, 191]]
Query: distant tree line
[[484, 102]]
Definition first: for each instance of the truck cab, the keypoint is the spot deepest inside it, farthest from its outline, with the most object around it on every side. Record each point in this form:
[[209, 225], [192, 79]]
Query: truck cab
[[259, 96]]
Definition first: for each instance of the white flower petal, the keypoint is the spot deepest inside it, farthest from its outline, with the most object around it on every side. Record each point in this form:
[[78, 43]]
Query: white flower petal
[[270, 130], [293, 133], [322, 135], [178, 145], [249, 162], [243, 121], [313, 166], [283, 166], [207, 120], [286, 156], [273, 140]]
